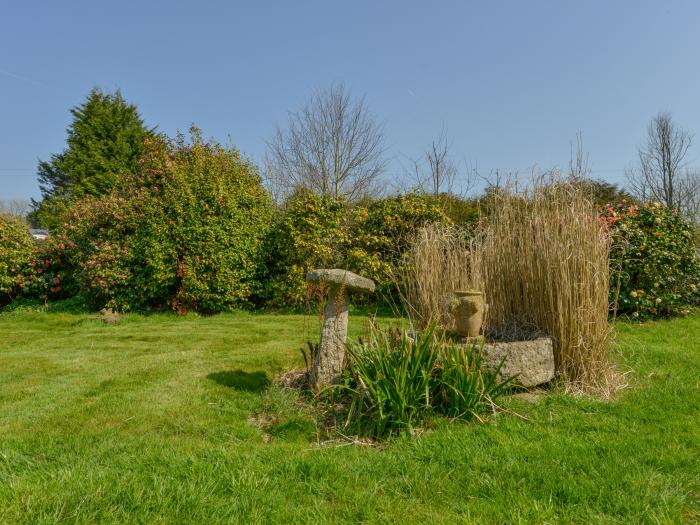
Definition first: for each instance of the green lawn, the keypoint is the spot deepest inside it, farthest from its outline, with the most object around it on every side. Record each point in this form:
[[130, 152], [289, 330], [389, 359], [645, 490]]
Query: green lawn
[[149, 421]]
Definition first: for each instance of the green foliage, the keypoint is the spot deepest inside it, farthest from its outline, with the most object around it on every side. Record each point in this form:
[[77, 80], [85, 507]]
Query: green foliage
[[119, 251], [45, 273], [105, 140], [311, 233], [603, 192], [465, 388], [218, 215], [16, 245], [461, 211], [396, 382], [391, 381], [653, 260], [186, 232], [369, 239], [382, 232]]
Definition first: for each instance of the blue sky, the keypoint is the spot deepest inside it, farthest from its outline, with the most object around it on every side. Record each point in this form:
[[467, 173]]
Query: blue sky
[[510, 82]]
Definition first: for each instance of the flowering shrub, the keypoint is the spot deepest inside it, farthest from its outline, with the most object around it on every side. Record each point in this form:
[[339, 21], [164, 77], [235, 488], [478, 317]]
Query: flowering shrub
[[312, 233], [383, 231], [186, 232], [115, 252], [655, 270], [45, 273], [16, 244]]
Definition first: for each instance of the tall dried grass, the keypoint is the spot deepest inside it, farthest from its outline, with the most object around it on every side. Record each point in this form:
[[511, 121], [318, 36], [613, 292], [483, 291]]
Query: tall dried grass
[[437, 264], [542, 262]]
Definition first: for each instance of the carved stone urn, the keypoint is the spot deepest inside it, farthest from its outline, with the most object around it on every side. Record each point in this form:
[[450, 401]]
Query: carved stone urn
[[468, 310]]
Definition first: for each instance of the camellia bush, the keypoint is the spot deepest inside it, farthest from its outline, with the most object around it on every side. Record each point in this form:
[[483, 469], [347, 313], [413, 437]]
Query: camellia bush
[[382, 233], [186, 232], [45, 273], [312, 232], [653, 261], [369, 239], [16, 246]]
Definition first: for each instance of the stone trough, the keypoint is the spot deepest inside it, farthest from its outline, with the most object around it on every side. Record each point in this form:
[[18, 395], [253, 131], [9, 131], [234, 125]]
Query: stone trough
[[532, 361]]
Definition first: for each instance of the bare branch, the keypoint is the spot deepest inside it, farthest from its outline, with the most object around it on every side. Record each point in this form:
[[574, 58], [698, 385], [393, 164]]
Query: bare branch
[[437, 173], [332, 146], [18, 207], [661, 175]]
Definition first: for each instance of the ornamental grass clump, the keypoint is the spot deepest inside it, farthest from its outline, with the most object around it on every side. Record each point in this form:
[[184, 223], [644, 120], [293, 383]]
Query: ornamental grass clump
[[466, 388], [436, 264], [543, 263], [395, 382]]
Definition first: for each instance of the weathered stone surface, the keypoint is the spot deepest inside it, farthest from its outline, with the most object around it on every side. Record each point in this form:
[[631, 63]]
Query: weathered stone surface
[[344, 278], [328, 363], [533, 361], [109, 316]]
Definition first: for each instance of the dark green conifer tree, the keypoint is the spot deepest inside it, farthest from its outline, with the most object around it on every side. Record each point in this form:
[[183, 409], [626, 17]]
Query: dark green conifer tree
[[105, 139]]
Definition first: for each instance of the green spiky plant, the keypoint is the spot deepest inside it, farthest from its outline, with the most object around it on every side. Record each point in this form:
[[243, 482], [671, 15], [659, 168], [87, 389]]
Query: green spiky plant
[[397, 381]]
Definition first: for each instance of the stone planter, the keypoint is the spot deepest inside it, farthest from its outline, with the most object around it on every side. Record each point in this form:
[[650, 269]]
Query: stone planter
[[532, 361], [468, 311]]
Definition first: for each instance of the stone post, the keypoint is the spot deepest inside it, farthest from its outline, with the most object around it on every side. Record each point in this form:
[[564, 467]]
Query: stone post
[[328, 363]]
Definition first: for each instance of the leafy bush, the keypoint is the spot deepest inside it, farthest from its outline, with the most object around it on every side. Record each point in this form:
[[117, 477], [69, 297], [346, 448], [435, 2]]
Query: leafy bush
[[45, 274], [395, 382], [655, 269], [216, 214], [461, 211], [186, 232], [118, 251], [382, 233], [311, 233], [369, 239], [16, 245]]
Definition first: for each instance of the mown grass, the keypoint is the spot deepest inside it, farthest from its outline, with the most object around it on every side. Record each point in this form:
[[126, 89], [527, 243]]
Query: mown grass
[[149, 421]]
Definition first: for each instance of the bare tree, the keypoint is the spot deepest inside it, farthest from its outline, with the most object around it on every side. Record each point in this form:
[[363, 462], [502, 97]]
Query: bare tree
[[661, 175], [690, 195], [437, 173], [578, 161], [441, 172], [332, 146], [17, 207]]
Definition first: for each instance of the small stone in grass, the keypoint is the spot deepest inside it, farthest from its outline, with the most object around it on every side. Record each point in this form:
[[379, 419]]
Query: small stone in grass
[[109, 316]]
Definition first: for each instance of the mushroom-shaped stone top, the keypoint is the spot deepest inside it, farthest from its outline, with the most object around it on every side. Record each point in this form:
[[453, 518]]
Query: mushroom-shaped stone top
[[335, 276]]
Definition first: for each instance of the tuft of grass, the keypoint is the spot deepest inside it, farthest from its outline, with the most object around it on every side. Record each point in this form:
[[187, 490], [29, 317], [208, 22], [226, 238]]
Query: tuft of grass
[[397, 382], [467, 388]]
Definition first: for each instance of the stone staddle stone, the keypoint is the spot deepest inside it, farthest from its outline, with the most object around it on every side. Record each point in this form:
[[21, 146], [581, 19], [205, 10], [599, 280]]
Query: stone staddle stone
[[532, 361], [328, 363], [343, 278]]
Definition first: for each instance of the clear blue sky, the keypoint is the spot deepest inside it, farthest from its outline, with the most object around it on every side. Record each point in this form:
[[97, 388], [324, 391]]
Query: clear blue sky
[[511, 82]]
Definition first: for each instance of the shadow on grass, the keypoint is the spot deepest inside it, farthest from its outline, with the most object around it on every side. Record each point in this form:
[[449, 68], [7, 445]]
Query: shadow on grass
[[240, 380]]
